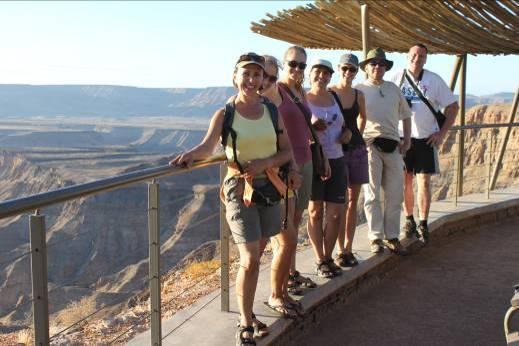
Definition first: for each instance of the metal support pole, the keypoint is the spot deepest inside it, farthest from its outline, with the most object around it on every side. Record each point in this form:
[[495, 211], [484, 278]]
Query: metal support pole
[[364, 15], [40, 294], [502, 150], [224, 251], [489, 147], [455, 72], [461, 143], [154, 263]]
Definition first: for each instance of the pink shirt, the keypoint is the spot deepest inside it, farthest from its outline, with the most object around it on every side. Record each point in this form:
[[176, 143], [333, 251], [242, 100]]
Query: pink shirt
[[296, 126]]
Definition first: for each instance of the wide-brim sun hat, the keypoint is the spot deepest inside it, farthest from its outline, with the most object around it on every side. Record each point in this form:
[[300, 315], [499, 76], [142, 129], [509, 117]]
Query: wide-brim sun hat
[[251, 58], [322, 63], [377, 53]]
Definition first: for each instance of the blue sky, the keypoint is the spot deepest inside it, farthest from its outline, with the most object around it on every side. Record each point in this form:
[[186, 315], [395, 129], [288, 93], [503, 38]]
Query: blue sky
[[168, 44]]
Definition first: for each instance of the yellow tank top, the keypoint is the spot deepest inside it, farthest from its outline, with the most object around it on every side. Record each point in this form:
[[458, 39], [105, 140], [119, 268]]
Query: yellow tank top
[[256, 139]]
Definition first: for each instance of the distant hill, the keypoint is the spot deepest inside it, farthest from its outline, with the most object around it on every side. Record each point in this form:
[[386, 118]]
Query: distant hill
[[109, 101], [18, 100]]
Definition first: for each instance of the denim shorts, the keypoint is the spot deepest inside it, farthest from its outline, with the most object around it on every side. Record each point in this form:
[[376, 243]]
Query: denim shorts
[[356, 165], [248, 224]]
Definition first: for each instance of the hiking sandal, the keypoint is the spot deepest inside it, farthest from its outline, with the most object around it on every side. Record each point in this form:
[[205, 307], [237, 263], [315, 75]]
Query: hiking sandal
[[323, 270], [260, 328], [336, 270], [303, 281], [296, 306], [243, 340], [293, 286], [283, 310]]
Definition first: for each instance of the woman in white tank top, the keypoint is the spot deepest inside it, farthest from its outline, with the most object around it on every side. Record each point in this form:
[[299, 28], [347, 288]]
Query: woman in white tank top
[[327, 194]]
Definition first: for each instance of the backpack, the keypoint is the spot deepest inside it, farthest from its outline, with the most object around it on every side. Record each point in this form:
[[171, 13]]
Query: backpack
[[227, 130]]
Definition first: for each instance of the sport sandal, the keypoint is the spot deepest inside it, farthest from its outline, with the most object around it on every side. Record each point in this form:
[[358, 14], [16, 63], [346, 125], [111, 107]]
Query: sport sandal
[[242, 340], [260, 328], [324, 270], [302, 281]]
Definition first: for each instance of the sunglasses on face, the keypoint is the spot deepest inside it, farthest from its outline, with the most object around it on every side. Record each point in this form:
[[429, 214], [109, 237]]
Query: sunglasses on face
[[350, 69], [271, 79], [251, 57], [379, 63], [294, 64]]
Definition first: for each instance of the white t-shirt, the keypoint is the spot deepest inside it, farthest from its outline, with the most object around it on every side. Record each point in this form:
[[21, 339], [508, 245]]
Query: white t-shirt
[[329, 138], [435, 90], [385, 107]]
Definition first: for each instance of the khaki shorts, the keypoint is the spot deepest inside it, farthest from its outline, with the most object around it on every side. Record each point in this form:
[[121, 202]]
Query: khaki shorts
[[248, 224], [305, 191]]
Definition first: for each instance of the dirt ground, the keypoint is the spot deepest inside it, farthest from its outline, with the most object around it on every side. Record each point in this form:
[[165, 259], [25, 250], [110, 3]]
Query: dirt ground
[[452, 293]]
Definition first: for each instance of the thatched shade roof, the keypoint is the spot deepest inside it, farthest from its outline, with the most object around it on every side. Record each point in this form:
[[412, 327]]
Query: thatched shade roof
[[445, 26]]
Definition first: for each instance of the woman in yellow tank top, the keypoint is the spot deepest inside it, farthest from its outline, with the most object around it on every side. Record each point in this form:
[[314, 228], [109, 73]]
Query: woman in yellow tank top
[[256, 151]]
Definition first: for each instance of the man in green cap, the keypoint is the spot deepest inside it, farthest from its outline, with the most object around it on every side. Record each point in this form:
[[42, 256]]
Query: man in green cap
[[385, 108]]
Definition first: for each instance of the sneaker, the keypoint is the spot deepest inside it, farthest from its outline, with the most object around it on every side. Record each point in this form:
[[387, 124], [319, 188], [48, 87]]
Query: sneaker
[[423, 233], [394, 246], [336, 270], [377, 246], [346, 259], [409, 229]]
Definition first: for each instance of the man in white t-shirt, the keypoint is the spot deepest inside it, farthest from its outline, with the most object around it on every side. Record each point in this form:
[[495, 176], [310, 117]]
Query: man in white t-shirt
[[426, 136], [386, 107]]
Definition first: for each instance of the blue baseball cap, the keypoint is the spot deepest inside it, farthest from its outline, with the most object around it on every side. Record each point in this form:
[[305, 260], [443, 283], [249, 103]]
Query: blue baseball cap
[[349, 59]]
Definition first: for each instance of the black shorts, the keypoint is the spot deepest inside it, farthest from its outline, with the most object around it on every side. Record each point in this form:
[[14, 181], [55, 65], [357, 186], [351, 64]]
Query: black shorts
[[334, 189], [421, 158]]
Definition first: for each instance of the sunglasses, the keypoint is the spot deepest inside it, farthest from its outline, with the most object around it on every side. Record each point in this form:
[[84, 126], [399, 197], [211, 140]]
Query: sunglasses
[[294, 64], [271, 79], [251, 57], [351, 69], [379, 63]]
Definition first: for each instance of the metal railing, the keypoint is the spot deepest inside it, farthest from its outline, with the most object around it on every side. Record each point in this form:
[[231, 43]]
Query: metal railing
[[38, 244], [495, 151]]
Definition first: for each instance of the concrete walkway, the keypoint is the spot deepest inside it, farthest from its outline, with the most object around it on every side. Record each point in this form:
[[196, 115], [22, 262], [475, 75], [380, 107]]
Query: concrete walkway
[[204, 323], [454, 293]]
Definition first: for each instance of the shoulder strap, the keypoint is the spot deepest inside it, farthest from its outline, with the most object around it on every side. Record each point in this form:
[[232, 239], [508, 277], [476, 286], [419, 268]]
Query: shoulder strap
[[356, 94], [420, 95], [303, 109], [336, 97], [274, 115], [228, 118]]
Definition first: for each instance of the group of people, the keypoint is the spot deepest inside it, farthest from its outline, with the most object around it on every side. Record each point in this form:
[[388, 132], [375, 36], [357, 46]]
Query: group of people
[[377, 135]]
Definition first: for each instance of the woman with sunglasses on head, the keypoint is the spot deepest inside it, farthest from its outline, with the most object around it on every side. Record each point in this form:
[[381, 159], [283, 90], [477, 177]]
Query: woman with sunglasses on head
[[284, 243], [353, 109], [327, 194], [251, 154], [290, 88]]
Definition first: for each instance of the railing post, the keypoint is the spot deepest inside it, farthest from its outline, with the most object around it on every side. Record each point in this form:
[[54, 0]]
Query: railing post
[[461, 144], [40, 294], [224, 251], [154, 263], [502, 150], [489, 147]]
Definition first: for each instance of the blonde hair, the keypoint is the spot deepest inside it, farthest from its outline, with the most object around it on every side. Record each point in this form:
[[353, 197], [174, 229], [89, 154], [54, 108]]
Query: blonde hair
[[269, 59]]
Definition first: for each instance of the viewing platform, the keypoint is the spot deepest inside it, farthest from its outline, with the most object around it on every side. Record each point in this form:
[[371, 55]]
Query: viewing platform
[[450, 282]]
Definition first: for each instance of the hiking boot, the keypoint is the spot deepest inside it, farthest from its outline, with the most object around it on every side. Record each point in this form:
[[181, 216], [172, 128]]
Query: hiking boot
[[410, 229], [394, 246], [423, 233], [377, 246]]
